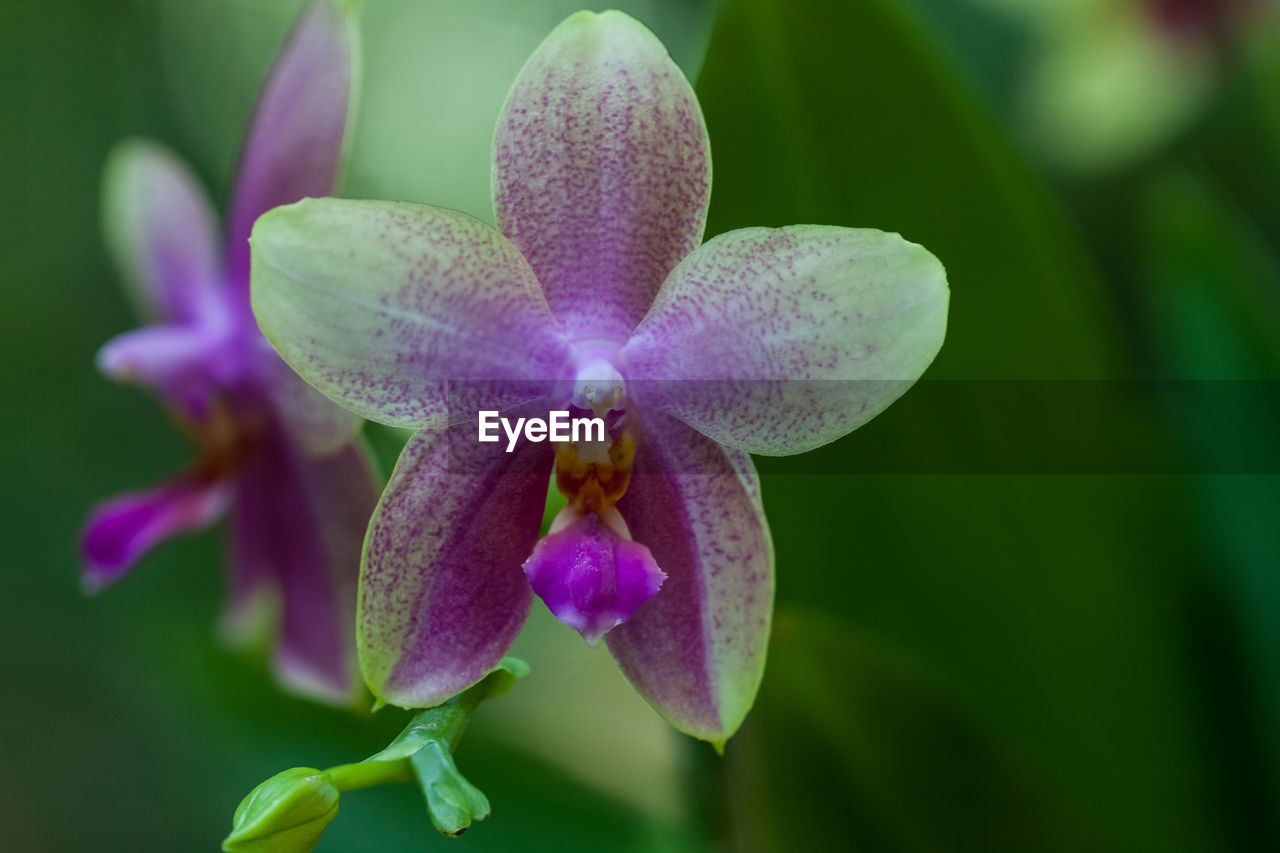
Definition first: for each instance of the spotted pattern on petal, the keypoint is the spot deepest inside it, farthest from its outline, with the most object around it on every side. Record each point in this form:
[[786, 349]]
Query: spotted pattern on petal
[[602, 171]]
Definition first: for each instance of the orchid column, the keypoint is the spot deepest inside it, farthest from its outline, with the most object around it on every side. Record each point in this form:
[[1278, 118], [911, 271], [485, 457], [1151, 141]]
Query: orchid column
[[282, 461], [592, 296]]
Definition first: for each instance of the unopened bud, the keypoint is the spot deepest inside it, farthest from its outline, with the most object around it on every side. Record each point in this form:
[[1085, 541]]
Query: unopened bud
[[285, 814]]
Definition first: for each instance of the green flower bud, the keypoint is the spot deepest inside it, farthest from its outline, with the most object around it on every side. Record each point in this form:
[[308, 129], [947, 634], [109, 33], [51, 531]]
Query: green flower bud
[[285, 814]]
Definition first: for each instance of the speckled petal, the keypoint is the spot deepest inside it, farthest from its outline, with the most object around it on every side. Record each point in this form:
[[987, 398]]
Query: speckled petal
[[696, 651], [121, 530], [312, 420], [403, 313], [592, 578], [777, 341], [442, 594], [602, 171], [294, 145], [298, 525], [161, 231]]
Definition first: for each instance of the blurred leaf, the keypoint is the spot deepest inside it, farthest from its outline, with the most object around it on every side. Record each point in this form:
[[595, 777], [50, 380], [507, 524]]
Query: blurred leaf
[[1213, 285], [849, 739], [843, 114], [1052, 601], [1213, 289]]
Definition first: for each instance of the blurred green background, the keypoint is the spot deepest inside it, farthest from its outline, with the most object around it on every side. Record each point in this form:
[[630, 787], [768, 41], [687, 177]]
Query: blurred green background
[[982, 651]]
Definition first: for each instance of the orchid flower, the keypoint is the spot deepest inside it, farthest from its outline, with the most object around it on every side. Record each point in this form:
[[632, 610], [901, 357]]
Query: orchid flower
[[280, 459], [592, 296]]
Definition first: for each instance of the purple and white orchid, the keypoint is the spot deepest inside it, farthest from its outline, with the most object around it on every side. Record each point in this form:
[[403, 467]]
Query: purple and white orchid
[[592, 296], [284, 462]]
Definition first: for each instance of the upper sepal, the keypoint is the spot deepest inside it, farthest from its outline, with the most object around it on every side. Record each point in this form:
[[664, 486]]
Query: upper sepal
[[602, 170], [294, 145]]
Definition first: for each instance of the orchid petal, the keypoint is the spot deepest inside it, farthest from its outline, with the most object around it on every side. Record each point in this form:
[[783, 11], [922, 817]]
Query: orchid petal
[[602, 170], [298, 525], [294, 145], [181, 362], [401, 311], [591, 577], [696, 651], [161, 231], [777, 341], [312, 420], [121, 530], [442, 595]]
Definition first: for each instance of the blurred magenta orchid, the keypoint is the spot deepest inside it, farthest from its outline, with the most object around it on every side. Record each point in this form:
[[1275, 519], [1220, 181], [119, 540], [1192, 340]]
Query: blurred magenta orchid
[[284, 462], [592, 296]]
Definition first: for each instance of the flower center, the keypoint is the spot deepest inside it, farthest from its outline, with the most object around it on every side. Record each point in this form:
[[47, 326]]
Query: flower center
[[225, 438], [593, 475], [598, 386]]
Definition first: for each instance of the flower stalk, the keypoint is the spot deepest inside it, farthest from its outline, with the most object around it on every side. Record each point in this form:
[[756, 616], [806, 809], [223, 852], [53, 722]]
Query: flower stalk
[[290, 811]]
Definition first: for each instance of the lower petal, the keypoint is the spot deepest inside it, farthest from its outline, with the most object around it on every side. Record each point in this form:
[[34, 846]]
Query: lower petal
[[297, 528], [442, 595], [696, 652], [123, 529]]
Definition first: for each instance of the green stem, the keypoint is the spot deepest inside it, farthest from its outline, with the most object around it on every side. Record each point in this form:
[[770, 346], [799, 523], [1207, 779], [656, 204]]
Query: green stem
[[350, 777]]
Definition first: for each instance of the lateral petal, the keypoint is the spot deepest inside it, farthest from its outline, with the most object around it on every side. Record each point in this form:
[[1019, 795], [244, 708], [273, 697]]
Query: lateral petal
[[401, 312], [184, 363], [780, 340]]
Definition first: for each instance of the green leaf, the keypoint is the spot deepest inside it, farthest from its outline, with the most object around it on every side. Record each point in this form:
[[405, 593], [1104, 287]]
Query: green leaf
[[853, 739], [847, 114], [1213, 293], [843, 114], [1213, 284]]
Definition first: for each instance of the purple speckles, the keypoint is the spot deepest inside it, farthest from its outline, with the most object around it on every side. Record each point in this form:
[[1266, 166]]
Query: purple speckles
[[739, 330], [601, 180], [454, 302], [443, 594], [606, 188]]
